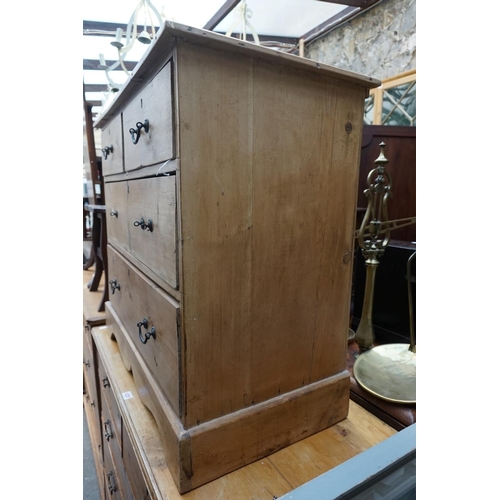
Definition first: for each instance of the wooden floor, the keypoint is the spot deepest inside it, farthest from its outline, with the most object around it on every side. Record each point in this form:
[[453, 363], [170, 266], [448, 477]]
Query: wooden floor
[[270, 477]]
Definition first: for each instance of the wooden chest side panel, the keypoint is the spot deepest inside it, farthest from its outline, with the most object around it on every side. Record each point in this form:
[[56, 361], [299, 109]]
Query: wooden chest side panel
[[268, 192], [305, 177]]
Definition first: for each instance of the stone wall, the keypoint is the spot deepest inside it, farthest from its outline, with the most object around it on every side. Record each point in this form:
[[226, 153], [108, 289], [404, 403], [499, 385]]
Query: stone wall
[[380, 42]]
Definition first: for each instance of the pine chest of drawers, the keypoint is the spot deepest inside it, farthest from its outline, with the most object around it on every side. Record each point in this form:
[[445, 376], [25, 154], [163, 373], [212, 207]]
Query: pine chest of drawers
[[231, 175]]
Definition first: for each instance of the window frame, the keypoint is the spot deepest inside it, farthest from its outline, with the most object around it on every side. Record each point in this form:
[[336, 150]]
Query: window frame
[[388, 83]]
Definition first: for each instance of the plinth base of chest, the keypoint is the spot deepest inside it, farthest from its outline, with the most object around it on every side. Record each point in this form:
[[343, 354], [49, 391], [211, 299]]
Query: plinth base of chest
[[205, 452]]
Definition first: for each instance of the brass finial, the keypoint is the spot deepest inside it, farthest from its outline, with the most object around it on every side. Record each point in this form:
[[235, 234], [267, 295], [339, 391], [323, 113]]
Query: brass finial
[[381, 161]]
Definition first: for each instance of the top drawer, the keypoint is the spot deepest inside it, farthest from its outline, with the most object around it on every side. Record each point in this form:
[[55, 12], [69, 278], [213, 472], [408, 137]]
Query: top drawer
[[112, 147], [148, 123]]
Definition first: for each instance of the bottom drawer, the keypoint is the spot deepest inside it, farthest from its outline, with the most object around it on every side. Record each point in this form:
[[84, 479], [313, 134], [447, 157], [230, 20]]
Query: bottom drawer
[[133, 470], [111, 483], [108, 402]]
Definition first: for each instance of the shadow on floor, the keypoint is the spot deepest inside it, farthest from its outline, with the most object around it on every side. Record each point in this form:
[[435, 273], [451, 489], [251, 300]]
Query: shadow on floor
[[90, 485]]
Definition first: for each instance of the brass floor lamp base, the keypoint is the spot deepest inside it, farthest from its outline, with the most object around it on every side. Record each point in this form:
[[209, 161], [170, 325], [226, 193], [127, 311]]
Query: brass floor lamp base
[[388, 372]]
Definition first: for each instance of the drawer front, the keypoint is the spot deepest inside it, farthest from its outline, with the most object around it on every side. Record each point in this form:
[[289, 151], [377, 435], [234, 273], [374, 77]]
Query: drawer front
[[113, 414], [140, 298], [89, 371], [109, 403], [110, 433], [153, 201], [116, 213], [112, 437], [91, 405], [112, 147], [111, 482], [153, 104], [133, 470]]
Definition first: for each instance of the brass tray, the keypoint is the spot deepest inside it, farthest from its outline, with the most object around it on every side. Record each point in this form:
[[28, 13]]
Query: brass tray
[[388, 372]]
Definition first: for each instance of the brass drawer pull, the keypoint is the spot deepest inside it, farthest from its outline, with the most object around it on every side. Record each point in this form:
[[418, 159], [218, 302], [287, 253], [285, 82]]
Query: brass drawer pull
[[144, 225], [107, 434], [136, 133], [114, 286], [113, 213], [106, 151], [105, 382], [111, 485], [147, 335]]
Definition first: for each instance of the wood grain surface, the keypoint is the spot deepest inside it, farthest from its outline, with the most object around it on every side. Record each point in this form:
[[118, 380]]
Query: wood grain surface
[[153, 103], [268, 185]]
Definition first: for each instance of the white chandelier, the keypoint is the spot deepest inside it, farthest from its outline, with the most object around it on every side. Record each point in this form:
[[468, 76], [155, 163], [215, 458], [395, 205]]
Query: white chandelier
[[243, 14], [150, 13]]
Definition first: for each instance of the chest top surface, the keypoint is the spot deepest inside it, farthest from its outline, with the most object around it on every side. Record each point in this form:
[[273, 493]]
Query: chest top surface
[[170, 32]]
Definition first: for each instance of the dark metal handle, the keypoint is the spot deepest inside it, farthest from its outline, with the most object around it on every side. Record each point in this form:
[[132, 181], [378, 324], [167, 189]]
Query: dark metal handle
[[111, 487], [147, 335], [114, 286], [86, 363], [106, 151], [144, 225], [136, 132], [105, 382], [107, 434], [113, 213]]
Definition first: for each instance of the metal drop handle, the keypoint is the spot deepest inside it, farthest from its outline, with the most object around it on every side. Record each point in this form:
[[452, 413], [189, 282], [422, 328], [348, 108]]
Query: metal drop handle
[[113, 213], [107, 434], [135, 133], [147, 335], [114, 286], [111, 486], [105, 382], [107, 151], [144, 225]]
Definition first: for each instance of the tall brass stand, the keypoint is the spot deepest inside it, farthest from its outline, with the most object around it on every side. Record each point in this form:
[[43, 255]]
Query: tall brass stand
[[387, 371]]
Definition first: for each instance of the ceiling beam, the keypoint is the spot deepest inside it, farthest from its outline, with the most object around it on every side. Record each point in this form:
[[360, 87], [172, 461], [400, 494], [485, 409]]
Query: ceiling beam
[[355, 7], [93, 64], [363, 4], [228, 6], [327, 25]]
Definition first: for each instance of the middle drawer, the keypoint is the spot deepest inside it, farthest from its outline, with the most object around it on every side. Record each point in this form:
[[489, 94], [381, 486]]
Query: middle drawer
[[142, 306], [142, 221]]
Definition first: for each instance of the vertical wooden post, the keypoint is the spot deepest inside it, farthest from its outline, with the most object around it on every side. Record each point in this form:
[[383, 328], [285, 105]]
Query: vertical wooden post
[[301, 47]]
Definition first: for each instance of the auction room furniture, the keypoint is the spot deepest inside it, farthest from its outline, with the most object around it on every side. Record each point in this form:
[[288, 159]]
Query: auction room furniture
[[231, 173], [91, 396], [131, 462], [99, 251], [93, 174]]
